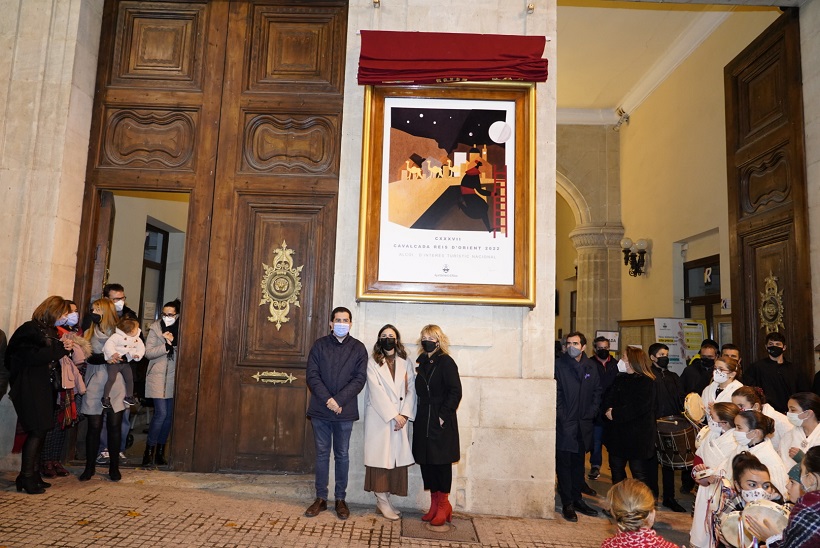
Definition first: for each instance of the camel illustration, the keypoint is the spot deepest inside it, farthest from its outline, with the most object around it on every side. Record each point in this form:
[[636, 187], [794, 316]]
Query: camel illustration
[[434, 171], [413, 172]]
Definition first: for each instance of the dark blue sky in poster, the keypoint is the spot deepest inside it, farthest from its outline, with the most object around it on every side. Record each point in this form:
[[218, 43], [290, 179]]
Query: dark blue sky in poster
[[449, 127]]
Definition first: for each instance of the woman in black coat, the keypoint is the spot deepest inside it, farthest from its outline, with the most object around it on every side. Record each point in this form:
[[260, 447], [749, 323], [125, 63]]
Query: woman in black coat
[[435, 430], [630, 429], [33, 351]]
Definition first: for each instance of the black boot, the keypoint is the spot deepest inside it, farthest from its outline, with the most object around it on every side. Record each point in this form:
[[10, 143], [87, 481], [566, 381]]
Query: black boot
[[148, 456], [160, 458], [90, 469], [29, 485], [92, 446], [114, 467]]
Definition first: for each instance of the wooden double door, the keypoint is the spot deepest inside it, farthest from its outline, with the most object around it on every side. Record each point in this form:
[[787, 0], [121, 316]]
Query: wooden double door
[[239, 104]]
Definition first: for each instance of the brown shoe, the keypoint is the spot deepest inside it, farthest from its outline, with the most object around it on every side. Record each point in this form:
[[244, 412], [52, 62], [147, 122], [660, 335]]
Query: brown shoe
[[319, 505], [342, 510], [47, 469], [60, 470]]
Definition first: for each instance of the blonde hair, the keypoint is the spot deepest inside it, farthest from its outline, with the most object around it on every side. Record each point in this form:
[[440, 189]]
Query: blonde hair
[[639, 361], [109, 320], [630, 502], [432, 330]]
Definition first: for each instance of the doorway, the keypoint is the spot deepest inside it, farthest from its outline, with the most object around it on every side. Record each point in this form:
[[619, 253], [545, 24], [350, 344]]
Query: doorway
[[239, 106]]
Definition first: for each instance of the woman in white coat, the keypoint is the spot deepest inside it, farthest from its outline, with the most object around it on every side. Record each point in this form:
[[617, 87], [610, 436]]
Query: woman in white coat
[[389, 403], [750, 397], [724, 383], [752, 428]]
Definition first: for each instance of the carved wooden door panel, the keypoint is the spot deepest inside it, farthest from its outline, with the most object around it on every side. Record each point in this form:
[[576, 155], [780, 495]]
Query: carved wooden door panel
[[771, 287], [270, 270]]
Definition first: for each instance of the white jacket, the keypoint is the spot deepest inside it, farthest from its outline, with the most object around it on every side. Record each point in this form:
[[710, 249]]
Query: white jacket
[[384, 398]]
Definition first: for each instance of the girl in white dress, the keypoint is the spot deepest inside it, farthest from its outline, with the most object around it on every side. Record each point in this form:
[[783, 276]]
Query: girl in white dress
[[748, 397], [804, 410], [715, 452], [751, 430], [724, 383]]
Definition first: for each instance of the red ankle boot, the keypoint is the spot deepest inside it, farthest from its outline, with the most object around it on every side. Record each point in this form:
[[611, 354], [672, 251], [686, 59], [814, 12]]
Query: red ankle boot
[[431, 513], [445, 510]]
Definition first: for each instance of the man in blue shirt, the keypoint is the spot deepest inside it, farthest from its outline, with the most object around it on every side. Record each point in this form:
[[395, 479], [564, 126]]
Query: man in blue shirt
[[336, 373]]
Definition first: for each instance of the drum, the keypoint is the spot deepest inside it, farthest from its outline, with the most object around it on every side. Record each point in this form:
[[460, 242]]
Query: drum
[[729, 525], [676, 442], [693, 409], [777, 514]]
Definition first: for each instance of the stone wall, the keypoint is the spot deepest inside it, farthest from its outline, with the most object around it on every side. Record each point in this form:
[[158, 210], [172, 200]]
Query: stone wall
[[504, 354]]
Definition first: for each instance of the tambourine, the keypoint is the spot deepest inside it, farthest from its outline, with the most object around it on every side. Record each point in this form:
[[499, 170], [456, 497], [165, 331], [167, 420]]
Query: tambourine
[[693, 408]]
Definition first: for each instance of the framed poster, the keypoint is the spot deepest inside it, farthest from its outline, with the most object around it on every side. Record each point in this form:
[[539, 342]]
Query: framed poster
[[447, 208]]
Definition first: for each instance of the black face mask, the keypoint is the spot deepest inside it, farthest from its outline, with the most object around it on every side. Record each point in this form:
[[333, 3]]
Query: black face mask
[[602, 353], [387, 343], [707, 362], [96, 318], [428, 346], [774, 351], [663, 362]]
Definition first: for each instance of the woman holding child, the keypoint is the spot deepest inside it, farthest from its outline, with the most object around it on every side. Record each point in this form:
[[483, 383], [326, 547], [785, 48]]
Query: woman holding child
[[104, 325]]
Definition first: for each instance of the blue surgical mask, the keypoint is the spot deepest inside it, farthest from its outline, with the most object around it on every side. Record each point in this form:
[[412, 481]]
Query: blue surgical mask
[[341, 329], [61, 321], [72, 319]]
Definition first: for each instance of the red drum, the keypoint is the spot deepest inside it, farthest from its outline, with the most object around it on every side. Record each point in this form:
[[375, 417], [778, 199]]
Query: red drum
[[676, 442]]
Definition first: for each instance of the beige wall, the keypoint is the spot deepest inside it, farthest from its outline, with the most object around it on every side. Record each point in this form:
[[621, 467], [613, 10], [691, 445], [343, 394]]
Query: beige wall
[[673, 169], [565, 257]]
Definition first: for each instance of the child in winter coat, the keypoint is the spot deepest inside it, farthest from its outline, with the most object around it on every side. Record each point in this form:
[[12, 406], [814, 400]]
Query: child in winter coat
[[127, 343]]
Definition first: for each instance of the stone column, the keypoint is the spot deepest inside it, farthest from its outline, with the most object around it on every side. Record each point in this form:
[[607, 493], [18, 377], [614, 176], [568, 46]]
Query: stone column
[[600, 264]]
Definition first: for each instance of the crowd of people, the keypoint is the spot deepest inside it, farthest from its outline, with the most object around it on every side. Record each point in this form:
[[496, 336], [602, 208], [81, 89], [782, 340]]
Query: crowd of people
[[62, 370], [746, 438]]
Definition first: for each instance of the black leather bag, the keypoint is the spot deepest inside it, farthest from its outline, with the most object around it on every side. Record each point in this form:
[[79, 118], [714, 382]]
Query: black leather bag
[[55, 375]]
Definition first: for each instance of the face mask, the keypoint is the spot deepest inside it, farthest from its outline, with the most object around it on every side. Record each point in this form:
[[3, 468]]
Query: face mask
[[774, 351], [663, 362], [793, 418], [707, 362], [621, 366], [72, 319], [804, 482], [429, 346], [720, 376], [755, 494], [387, 343], [60, 322], [742, 438], [96, 318], [119, 305], [573, 351], [713, 425], [341, 329], [169, 321], [602, 353]]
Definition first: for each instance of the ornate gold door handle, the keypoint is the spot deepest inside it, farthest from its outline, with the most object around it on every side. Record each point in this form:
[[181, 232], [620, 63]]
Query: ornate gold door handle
[[281, 285]]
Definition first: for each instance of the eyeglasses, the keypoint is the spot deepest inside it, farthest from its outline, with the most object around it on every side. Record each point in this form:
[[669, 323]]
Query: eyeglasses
[[164, 315], [118, 299]]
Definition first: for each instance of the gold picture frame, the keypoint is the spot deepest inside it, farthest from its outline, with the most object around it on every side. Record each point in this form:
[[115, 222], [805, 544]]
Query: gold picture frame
[[443, 219]]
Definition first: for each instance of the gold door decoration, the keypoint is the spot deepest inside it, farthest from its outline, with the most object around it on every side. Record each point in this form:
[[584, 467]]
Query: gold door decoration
[[771, 305], [281, 285], [274, 377]]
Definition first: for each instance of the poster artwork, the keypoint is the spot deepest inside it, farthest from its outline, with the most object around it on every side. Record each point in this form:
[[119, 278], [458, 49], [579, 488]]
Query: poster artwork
[[448, 191]]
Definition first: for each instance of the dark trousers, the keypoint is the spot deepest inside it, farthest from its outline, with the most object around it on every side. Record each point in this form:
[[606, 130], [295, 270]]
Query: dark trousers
[[437, 477], [569, 467], [641, 469], [668, 478]]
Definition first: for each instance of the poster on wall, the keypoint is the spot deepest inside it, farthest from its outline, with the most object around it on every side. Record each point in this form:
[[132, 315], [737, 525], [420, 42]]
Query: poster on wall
[[447, 195], [682, 336]]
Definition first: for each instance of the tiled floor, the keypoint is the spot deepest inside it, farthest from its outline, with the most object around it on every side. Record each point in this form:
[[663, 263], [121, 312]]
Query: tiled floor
[[154, 508]]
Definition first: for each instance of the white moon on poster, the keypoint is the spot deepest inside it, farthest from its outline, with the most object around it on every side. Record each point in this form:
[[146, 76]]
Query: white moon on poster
[[500, 132]]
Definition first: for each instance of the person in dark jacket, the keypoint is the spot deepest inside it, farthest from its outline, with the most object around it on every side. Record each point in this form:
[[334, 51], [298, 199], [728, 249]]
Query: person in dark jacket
[[607, 370], [336, 373], [4, 372], [435, 431], [578, 398], [776, 376], [630, 430], [33, 352], [668, 402], [698, 374]]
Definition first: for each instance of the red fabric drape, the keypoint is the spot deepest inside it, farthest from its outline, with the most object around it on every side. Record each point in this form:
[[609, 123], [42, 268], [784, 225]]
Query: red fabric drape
[[389, 57]]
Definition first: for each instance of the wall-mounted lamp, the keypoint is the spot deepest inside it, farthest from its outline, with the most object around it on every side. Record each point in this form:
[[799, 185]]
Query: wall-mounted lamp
[[377, 3], [635, 255], [530, 7]]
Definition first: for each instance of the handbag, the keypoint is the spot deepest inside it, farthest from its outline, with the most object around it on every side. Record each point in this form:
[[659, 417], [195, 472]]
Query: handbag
[[55, 376]]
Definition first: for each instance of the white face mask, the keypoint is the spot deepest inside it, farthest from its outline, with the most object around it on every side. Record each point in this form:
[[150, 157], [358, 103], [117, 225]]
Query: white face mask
[[742, 438], [713, 425], [119, 305], [720, 376], [169, 321], [804, 483], [794, 418], [755, 494], [621, 366]]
